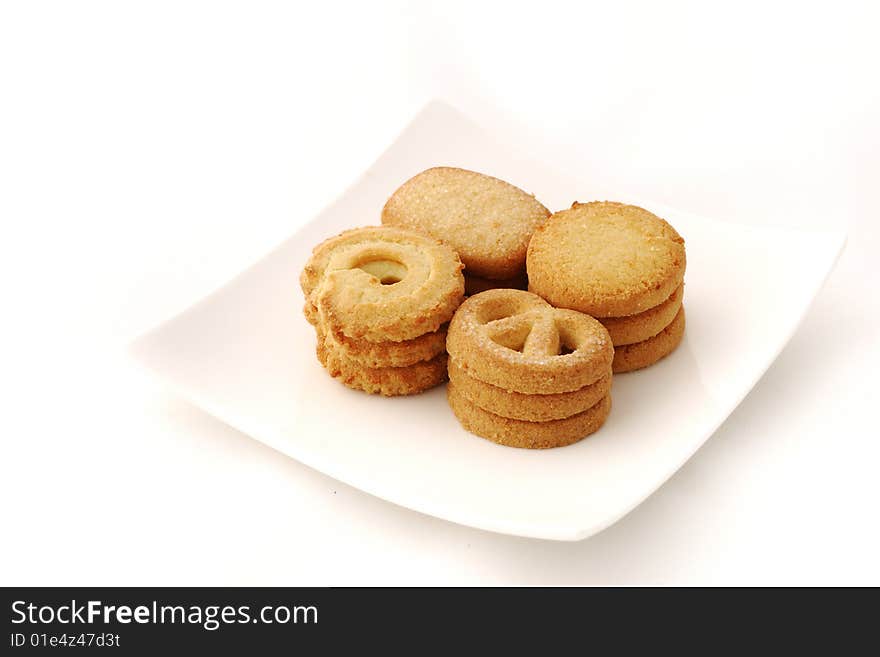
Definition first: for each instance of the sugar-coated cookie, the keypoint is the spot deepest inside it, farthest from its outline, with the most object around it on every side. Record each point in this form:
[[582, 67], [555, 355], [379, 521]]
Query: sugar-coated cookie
[[641, 354], [517, 341], [518, 406], [382, 283], [520, 433], [487, 221], [605, 259], [388, 381], [641, 326]]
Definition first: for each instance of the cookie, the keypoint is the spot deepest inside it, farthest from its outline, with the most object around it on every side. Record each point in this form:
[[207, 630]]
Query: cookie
[[520, 433], [476, 284], [390, 354], [605, 259], [644, 325], [388, 381], [381, 283], [487, 221], [517, 341], [534, 408], [311, 313], [641, 354]]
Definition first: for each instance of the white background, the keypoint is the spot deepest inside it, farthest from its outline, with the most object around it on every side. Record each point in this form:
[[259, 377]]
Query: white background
[[150, 151]]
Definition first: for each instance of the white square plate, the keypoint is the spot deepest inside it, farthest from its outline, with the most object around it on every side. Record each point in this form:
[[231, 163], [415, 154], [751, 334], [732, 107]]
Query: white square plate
[[246, 355]]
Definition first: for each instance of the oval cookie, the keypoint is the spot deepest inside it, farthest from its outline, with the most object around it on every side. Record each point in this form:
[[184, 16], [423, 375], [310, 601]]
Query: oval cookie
[[487, 221]]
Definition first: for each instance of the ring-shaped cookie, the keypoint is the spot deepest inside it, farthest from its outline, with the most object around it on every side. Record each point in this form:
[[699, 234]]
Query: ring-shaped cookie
[[381, 283], [387, 381], [388, 354]]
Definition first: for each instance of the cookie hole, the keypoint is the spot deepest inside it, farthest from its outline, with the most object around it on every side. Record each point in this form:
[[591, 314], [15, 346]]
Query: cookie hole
[[513, 339], [388, 272], [568, 343]]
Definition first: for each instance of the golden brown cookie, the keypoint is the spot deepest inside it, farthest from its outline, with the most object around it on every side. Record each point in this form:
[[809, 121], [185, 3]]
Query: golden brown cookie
[[641, 326], [534, 408], [641, 354], [517, 341], [530, 435], [487, 221], [388, 381], [605, 259], [389, 354], [381, 283], [476, 284], [311, 313]]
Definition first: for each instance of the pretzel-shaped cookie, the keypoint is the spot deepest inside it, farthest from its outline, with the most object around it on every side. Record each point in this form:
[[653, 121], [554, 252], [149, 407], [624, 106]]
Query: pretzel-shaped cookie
[[382, 284], [517, 341]]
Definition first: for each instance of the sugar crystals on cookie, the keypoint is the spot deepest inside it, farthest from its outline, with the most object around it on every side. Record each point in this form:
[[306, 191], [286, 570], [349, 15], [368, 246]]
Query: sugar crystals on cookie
[[487, 221], [621, 264]]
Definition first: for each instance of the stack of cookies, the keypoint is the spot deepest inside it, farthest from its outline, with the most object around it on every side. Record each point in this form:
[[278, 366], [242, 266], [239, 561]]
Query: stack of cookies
[[526, 368], [380, 299], [525, 374], [620, 264], [487, 221]]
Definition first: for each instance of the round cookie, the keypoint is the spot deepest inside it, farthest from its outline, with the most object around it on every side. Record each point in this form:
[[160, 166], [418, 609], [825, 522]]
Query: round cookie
[[605, 259], [388, 381], [517, 341], [381, 283], [476, 284], [534, 408], [487, 221], [530, 435], [641, 354], [639, 327], [389, 354]]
